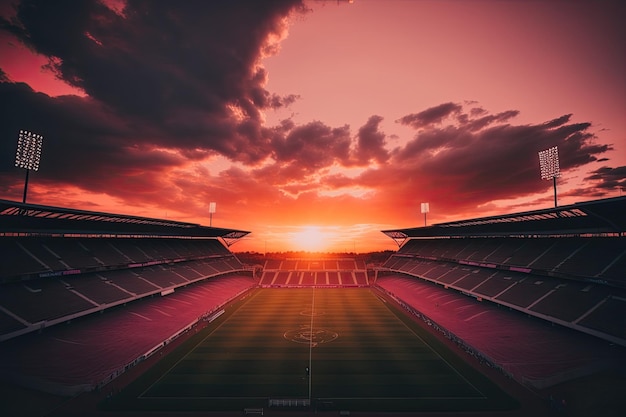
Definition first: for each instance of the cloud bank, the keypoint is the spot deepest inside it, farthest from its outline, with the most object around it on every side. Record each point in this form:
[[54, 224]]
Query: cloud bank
[[172, 87]]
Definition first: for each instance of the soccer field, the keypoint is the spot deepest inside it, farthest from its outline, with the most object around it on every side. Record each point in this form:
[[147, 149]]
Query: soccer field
[[327, 349]]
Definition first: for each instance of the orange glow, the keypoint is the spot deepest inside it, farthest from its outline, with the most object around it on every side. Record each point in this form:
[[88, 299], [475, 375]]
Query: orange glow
[[310, 239]]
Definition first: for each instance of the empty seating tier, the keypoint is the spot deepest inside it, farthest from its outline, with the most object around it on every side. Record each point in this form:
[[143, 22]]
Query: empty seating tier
[[97, 347], [501, 336], [339, 272], [47, 299], [561, 279], [32, 257], [584, 258]]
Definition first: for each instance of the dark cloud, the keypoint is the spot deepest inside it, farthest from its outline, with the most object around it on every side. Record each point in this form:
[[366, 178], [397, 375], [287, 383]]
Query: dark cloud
[[166, 83], [478, 157], [277, 101], [312, 147], [609, 179], [158, 55], [481, 122], [188, 70], [476, 111], [371, 143], [559, 121], [430, 116], [84, 144]]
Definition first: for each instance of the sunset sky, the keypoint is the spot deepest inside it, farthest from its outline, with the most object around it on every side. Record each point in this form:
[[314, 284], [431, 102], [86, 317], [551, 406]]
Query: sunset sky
[[314, 125]]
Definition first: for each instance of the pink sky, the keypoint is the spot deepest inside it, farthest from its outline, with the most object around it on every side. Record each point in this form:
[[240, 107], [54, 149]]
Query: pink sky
[[315, 129]]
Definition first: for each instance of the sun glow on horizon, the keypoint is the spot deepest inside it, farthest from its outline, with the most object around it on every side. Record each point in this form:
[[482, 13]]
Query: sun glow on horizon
[[310, 239]]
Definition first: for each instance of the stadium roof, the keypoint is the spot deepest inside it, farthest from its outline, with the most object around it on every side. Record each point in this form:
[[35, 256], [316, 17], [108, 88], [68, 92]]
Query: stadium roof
[[607, 216], [36, 219]]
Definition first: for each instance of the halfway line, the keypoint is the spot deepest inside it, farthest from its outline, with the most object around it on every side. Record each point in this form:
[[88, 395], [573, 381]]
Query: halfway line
[[311, 341]]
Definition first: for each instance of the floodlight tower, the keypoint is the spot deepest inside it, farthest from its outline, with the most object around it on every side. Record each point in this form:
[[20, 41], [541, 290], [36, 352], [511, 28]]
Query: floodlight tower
[[28, 154], [425, 209], [212, 206], [549, 164]]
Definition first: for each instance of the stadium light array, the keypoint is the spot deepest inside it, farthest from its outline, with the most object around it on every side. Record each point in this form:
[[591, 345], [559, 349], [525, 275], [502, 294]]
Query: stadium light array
[[425, 209], [28, 154], [212, 207], [549, 164]]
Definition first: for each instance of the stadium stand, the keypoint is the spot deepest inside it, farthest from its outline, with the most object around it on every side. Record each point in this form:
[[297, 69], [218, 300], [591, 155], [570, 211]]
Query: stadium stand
[[151, 278], [93, 350], [566, 265], [32, 257], [533, 352], [318, 272], [69, 293], [59, 264]]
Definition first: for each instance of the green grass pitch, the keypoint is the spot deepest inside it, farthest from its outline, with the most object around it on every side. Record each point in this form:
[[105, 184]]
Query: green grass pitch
[[362, 353]]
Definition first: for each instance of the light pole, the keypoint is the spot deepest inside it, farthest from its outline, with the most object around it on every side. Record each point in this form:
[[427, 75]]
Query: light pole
[[28, 154], [212, 206], [549, 164], [425, 209]]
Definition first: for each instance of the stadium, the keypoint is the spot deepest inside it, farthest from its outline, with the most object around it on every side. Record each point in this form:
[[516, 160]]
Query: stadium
[[115, 315], [321, 128]]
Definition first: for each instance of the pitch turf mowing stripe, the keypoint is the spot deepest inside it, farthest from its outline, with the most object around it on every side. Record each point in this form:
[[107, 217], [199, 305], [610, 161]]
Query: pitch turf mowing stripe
[[264, 374], [365, 354], [403, 361]]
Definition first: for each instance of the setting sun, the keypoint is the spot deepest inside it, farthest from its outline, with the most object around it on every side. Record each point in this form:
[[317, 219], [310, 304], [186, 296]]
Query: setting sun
[[309, 238]]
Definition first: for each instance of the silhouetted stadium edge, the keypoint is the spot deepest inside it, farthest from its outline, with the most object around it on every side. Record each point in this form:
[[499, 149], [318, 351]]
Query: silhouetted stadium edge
[[25, 219], [604, 217]]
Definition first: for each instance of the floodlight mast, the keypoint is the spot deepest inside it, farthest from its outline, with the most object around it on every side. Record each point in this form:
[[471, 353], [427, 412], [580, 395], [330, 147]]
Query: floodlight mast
[[425, 209], [212, 207], [549, 164], [28, 154]]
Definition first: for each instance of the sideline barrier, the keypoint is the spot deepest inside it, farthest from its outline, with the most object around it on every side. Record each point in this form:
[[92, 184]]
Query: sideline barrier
[[168, 340], [216, 315], [447, 333], [209, 314], [563, 355]]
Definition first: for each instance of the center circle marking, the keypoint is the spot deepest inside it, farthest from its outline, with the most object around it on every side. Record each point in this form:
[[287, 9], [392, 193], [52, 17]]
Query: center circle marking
[[307, 335], [311, 313]]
